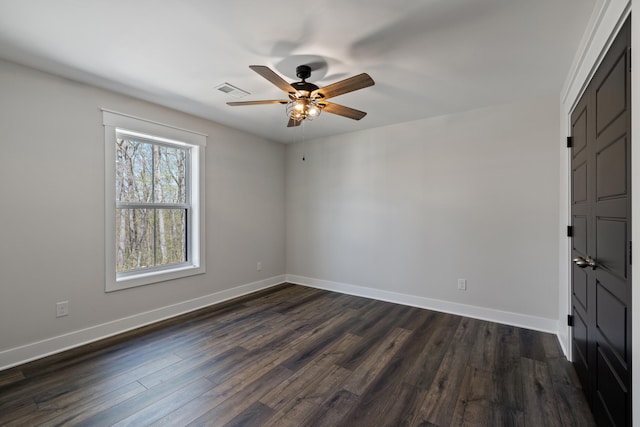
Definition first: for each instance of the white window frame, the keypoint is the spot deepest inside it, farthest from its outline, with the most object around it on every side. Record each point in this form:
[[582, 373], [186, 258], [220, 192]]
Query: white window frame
[[153, 131]]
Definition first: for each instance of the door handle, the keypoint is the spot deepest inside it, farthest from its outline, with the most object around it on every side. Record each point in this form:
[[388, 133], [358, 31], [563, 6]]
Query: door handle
[[584, 263]]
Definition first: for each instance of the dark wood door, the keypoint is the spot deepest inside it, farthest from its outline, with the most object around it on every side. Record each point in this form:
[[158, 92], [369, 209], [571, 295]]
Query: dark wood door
[[601, 243]]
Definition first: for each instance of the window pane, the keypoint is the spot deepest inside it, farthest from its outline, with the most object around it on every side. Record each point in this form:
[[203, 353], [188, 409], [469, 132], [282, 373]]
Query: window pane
[[134, 171], [134, 239], [150, 238], [170, 174], [170, 235]]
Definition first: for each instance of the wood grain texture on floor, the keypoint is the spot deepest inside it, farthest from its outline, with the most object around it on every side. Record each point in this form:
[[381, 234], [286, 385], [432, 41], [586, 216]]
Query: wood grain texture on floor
[[298, 356]]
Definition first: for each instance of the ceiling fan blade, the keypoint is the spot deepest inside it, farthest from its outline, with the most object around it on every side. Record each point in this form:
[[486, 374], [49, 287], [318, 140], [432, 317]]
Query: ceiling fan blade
[[344, 86], [271, 75], [293, 123], [341, 110], [272, 101]]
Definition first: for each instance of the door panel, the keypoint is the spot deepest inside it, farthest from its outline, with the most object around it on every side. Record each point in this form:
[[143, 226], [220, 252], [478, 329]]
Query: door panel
[[601, 219], [611, 318], [611, 399], [611, 97], [580, 347], [612, 160], [579, 130], [580, 234], [580, 286], [611, 253], [580, 183]]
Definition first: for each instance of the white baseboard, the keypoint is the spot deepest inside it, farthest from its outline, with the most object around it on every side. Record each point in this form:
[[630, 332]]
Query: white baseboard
[[564, 337], [509, 318], [26, 353]]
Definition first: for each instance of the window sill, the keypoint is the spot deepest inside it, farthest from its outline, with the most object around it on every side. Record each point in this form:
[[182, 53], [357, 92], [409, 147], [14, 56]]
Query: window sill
[[150, 277]]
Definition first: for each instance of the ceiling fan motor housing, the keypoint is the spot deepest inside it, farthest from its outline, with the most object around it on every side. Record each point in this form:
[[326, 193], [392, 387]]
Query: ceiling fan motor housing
[[304, 87]]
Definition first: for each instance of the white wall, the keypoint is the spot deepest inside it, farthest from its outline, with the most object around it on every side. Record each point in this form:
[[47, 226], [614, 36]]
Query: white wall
[[410, 208], [52, 216]]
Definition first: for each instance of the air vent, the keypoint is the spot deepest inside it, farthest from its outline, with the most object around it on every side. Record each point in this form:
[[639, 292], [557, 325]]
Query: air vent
[[230, 89]]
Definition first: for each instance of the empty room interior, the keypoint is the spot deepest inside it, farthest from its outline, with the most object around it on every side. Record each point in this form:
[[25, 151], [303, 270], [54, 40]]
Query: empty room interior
[[329, 213]]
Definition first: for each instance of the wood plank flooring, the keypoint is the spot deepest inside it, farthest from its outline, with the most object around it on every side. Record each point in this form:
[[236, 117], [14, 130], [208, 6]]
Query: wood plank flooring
[[296, 356]]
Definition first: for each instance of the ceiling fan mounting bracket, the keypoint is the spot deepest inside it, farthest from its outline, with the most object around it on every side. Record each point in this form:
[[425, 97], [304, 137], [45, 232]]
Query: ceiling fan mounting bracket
[[303, 72]]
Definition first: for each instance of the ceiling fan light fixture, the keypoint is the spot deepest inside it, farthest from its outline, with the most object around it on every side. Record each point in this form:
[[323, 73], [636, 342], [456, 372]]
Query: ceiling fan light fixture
[[303, 108], [314, 110]]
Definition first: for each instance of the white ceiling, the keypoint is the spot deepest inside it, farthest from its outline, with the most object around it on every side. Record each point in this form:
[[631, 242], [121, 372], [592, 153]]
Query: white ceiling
[[427, 57]]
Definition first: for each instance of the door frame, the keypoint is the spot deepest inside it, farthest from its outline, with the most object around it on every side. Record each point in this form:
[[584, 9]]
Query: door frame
[[606, 21]]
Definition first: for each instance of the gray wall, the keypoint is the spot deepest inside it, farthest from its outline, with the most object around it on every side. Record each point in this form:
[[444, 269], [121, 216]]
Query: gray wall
[[52, 215], [413, 207]]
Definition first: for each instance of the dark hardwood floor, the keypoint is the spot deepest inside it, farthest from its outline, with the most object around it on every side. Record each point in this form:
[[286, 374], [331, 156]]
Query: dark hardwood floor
[[293, 356]]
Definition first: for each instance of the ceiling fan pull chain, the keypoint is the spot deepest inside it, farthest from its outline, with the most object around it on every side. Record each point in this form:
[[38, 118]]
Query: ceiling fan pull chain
[[303, 143]]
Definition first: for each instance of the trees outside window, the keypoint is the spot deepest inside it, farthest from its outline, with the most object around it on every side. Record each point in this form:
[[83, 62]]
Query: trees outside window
[[151, 204]]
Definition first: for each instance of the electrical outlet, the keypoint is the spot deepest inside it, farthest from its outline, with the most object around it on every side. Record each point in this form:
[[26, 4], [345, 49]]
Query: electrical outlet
[[462, 284], [62, 309], [259, 266]]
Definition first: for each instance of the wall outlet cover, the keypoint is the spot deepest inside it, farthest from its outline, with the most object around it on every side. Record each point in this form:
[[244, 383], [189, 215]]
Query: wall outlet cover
[[62, 308]]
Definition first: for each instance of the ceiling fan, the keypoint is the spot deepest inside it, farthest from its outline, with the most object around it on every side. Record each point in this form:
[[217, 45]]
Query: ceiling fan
[[306, 100]]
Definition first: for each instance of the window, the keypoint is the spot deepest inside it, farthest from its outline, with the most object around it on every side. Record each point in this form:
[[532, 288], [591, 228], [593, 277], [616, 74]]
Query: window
[[154, 202]]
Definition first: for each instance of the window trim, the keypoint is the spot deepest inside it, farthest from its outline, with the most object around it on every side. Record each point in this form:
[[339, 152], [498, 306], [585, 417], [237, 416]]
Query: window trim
[[159, 132]]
